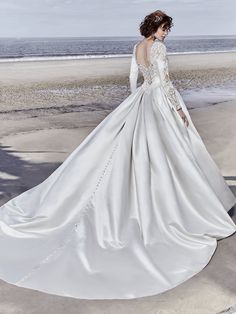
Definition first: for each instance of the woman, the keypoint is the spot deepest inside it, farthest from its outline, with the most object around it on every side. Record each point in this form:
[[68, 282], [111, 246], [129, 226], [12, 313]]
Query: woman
[[135, 210]]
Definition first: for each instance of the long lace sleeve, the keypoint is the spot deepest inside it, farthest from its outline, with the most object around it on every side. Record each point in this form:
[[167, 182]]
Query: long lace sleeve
[[133, 76], [160, 57]]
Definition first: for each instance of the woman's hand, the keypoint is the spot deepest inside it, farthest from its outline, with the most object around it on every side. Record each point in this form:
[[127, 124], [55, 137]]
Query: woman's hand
[[183, 116]]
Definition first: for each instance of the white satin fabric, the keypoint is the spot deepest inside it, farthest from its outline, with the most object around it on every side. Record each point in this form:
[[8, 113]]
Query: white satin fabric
[[135, 210]]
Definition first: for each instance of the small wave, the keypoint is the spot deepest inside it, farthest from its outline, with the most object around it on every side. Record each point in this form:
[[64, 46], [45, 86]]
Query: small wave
[[86, 57], [61, 58], [200, 52]]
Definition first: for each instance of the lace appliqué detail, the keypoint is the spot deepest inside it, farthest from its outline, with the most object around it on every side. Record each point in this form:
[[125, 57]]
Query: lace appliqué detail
[[160, 58], [148, 73]]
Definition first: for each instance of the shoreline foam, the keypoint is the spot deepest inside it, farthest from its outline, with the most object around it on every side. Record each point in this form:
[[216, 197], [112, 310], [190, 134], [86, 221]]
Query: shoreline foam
[[88, 57]]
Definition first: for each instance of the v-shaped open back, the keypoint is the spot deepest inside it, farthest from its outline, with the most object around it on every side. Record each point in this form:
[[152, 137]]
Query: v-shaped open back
[[148, 60]]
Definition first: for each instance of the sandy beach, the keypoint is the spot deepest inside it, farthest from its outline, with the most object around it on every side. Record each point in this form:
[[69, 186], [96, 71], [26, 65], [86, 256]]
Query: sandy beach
[[66, 86], [49, 107]]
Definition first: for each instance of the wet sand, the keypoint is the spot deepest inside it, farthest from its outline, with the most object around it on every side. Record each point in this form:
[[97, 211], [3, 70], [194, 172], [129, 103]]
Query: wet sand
[[66, 86]]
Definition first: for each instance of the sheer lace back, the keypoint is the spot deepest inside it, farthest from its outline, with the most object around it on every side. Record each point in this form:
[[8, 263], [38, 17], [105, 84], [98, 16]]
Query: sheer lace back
[[148, 73]]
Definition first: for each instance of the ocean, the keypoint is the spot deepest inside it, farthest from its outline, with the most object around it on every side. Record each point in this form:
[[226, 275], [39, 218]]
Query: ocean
[[30, 49]]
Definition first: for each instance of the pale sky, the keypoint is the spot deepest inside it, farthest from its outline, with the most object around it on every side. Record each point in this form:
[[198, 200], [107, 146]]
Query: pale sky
[[49, 18]]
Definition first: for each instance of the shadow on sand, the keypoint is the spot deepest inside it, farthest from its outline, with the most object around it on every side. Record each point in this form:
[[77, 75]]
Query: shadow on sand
[[18, 175]]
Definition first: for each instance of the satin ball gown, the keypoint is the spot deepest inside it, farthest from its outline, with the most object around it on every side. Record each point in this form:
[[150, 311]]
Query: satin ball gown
[[135, 210]]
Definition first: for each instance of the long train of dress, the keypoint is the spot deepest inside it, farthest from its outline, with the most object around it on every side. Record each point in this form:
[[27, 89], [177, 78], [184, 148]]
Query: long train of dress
[[135, 210]]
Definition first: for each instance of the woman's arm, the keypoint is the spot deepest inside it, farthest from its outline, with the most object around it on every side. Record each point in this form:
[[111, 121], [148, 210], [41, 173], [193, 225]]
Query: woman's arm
[[133, 76], [160, 57]]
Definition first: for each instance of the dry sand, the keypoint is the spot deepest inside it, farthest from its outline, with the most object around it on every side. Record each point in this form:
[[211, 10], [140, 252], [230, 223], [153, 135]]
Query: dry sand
[[37, 134]]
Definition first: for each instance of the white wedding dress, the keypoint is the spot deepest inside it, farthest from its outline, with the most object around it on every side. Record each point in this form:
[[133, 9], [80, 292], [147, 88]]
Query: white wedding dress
[[135, 210]]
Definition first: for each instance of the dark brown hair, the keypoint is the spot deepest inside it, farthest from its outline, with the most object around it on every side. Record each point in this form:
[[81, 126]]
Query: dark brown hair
[[153, 20]]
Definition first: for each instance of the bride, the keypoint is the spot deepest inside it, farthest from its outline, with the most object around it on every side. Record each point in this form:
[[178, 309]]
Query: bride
[[135, 210]]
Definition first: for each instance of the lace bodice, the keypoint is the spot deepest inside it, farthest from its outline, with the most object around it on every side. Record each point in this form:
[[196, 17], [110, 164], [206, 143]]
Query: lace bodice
[[157, 68]]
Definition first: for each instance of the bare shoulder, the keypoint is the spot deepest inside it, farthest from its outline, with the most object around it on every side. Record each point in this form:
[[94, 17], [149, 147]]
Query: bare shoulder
[[143, 44]]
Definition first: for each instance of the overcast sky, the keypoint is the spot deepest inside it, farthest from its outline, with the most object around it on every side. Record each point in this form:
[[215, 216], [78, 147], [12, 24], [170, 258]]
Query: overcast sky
[[39, 18]]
